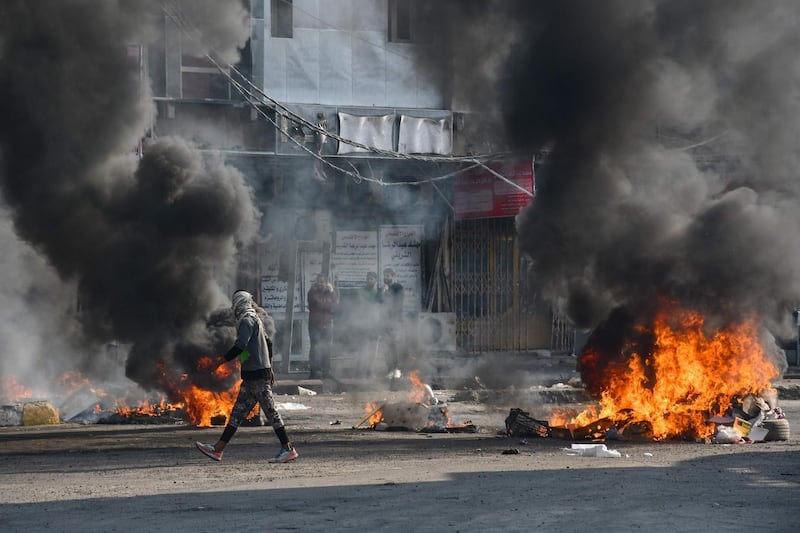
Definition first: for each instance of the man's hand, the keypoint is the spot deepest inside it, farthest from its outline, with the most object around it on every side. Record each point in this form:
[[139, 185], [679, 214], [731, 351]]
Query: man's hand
[[271, 376]]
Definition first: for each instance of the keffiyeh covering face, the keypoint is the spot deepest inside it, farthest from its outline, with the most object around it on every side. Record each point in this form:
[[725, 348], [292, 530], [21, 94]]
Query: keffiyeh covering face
[[242, 304]]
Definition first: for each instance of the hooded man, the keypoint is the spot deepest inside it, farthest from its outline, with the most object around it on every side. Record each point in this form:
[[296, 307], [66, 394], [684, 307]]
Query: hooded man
[[254, 350]]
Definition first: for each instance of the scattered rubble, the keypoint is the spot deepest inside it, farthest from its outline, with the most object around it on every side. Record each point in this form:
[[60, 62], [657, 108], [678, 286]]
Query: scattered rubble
[[421, 411], [76, 404], [412, 416], [520, 424], [753, 419], [11, 415]]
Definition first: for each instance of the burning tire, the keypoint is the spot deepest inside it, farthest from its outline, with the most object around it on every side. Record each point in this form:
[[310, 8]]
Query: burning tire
[[776, 429]]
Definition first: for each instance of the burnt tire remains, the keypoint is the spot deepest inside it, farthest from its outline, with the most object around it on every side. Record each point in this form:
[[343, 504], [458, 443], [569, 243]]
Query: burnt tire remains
[[776, 429]]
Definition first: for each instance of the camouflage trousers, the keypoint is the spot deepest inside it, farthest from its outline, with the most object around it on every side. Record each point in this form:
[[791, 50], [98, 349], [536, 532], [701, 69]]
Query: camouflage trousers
[[253, 392]]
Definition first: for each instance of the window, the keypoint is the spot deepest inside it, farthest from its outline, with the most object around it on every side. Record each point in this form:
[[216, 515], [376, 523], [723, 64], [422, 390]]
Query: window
[[282, 24], [401, 21], [201, 79]]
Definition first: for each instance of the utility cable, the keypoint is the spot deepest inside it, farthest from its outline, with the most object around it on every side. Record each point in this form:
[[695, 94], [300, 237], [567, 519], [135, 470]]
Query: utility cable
[[255, 99]]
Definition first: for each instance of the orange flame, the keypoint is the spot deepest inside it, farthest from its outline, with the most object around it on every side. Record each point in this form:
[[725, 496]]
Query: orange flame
[[689, 376], [198, 404], [201, 405], [11, 389], [419, 393], [376, 410], [71, 381], [146, 408]]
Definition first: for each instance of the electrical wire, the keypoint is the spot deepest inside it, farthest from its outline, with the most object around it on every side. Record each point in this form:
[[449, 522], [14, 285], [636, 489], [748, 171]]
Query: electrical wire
[[255, 97]]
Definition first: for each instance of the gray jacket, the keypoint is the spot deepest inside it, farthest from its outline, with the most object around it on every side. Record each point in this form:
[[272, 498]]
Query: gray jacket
[[251, 338]]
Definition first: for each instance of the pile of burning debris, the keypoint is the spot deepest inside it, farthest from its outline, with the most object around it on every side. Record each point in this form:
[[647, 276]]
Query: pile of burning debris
[[419, 411], [89, 405], [754, 418], [73, 398], [670, 377]]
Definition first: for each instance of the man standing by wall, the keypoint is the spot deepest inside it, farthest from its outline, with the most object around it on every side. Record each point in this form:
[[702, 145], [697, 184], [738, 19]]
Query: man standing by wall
[[370, 293], [323, 300]]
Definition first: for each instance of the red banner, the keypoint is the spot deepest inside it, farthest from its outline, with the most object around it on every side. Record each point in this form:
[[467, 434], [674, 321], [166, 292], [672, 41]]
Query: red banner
[[482, 194]]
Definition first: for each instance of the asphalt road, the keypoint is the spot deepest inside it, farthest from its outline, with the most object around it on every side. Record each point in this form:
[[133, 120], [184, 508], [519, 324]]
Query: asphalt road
[[150, 478]]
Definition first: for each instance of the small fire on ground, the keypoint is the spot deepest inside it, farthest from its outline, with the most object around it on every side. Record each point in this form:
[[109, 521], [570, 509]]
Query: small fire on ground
[[78, 400], [420, 410]]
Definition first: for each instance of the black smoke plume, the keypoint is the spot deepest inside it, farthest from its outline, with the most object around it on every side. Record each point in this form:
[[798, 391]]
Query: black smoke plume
[[145, 242], [671, 148], [664, 179]]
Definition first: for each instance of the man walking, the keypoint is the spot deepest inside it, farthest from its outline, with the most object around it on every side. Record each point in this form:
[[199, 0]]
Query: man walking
[[253, 349]]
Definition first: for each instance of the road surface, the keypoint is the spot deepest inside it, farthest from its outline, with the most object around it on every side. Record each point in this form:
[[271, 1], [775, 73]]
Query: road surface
[[99, 477]]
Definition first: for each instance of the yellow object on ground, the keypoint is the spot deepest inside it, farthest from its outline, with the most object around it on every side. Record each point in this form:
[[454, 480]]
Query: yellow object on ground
[[39, 414]]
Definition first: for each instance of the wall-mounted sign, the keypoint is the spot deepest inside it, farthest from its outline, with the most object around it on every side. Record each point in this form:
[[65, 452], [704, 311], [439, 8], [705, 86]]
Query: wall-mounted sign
[[482, 194], [400, 251], [273, 295], [355, 254]]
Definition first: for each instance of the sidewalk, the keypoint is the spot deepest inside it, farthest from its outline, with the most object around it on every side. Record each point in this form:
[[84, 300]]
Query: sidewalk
[[788, 388]]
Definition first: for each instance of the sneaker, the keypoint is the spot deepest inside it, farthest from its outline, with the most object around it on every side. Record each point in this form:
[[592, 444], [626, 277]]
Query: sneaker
[[284, 456], [209, 451]]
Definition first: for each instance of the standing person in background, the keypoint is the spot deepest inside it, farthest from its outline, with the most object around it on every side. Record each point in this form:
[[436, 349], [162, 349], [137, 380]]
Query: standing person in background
[[369, 294], [253, 349], [367, 326], [323, 300], [392, 299]]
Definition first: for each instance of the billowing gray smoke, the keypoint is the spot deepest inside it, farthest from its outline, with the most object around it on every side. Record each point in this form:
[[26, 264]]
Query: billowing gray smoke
[[672, 135], [144, 241], [632, 208]]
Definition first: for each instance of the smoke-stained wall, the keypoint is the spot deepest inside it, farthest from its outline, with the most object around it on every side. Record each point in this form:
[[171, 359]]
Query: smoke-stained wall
[[340, 54]]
